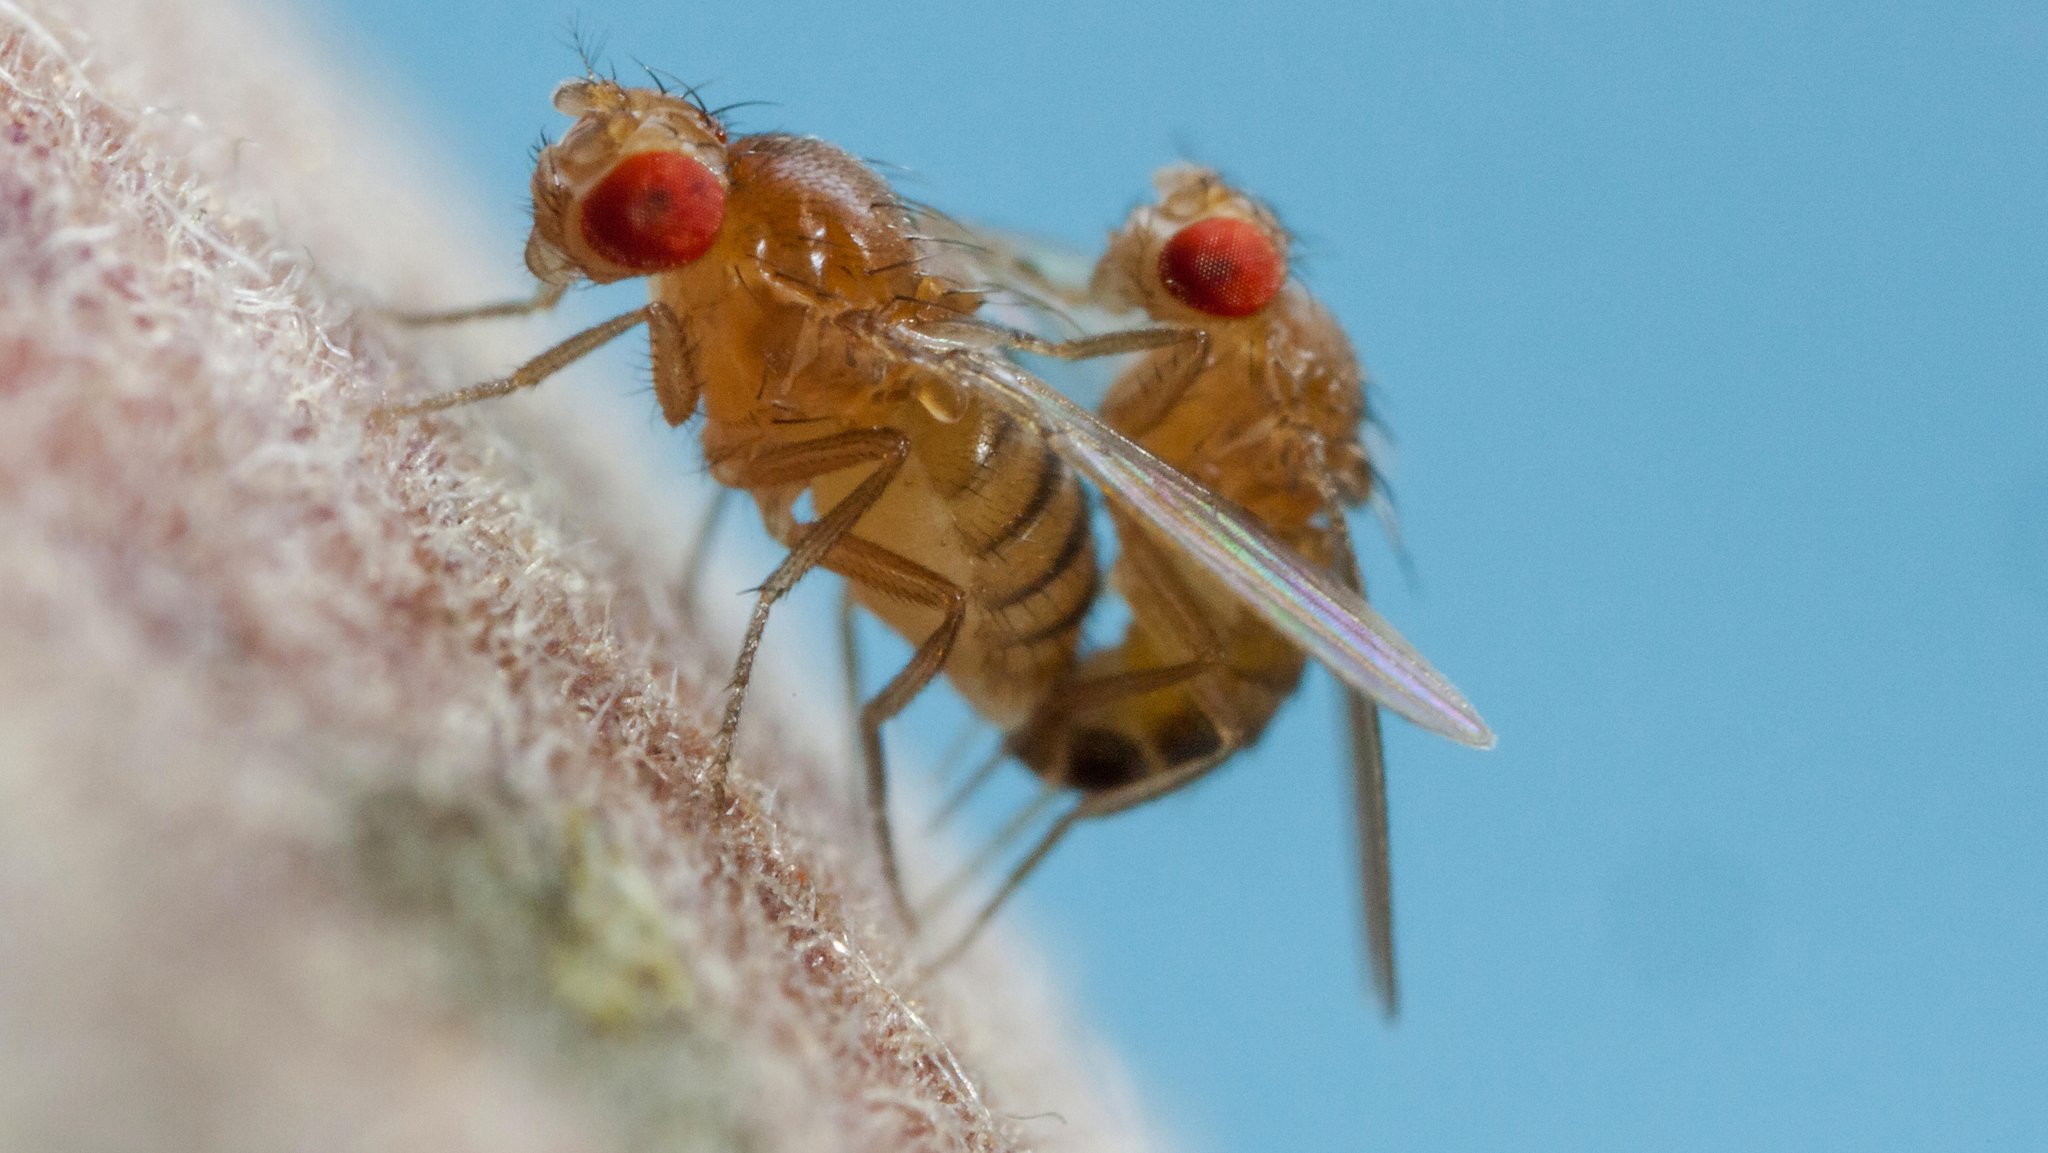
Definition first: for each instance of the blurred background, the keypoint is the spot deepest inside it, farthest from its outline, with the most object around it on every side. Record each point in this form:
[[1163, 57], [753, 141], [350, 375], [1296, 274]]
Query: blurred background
[[1712, 345]]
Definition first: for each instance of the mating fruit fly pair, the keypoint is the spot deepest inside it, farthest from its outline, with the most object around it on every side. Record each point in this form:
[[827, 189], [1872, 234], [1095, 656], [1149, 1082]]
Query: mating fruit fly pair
[[797, 308]]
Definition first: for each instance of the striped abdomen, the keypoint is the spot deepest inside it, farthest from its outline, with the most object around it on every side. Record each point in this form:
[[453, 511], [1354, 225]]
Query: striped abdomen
[[986, 504]]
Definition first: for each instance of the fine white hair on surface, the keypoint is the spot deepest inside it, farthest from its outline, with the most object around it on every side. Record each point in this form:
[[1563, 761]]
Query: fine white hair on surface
[[349, 780]]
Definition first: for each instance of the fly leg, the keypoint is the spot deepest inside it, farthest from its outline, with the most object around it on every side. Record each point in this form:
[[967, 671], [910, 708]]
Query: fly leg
[[1153, 580], [1078, 697], [1162, 390], [1156, 585], [1160, 393], [792, 464], [849, 658], [1102, 344], [544, 298], [1368, 784], [1093, 805], [698, 556], [1015, 827], [965, 790], [1147, 339], [664, 330], [896, 576]]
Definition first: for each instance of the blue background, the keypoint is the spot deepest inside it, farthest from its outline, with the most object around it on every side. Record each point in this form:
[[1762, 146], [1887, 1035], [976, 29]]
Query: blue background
[[1713, 345]]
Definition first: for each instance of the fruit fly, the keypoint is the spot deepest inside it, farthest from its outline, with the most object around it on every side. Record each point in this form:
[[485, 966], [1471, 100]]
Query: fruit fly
[[794, 310], [774, 261], [1266, 414]]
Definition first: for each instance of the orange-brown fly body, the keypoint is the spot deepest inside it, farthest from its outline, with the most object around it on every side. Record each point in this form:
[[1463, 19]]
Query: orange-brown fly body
[[773, 261]]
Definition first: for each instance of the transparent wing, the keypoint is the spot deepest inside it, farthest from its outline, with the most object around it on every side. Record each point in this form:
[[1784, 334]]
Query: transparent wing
[[1014, 263], [1028, 283], [1330, 622], [1037, 285]]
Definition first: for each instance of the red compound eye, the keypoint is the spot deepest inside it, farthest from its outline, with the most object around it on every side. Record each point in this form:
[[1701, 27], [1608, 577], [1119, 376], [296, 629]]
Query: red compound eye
[[654, 211], [1223, 266]]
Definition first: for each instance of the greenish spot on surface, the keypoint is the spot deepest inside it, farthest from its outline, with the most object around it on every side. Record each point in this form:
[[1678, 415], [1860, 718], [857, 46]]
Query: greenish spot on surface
[[610, 954], [558, 944]]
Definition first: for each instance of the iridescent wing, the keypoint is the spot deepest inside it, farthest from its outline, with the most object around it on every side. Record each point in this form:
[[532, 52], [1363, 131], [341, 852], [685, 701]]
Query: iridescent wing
[[1047, 275], [1032, 284], [1312, 608]]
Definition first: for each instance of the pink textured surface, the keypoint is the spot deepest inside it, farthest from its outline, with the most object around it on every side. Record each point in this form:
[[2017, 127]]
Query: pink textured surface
[[349, 781]]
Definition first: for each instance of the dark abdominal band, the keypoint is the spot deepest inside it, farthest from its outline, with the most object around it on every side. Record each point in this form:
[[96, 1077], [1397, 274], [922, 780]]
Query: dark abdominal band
[[1071, 548]]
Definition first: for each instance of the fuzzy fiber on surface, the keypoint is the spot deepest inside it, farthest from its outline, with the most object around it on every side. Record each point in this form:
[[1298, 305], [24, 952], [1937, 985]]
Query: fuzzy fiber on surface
[[350, 781]]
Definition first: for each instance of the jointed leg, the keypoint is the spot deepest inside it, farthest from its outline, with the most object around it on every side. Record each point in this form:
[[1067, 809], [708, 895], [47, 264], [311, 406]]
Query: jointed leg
[[849, 658], [1369, 790], [657, 316], [987, 335], [863, 562], [1160, 395], [964, 739], [543, 298], [1375, 857], [1154, 582], [1012, 829], [1164, 593], [696, 558], [1093, 805], [1105, 343], [967, 788], [886, 449]]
